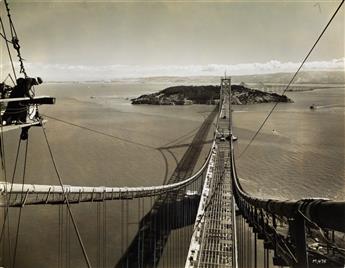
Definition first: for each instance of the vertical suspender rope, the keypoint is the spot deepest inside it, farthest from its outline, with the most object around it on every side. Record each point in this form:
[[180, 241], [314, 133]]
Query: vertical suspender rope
[[3, 165], [98, 233], [67, 202], [139, 234], [67, 240], [20, 209], [12, 180], [105, 233], [6, 217], [61, 235], [58, 240], [122, 216]]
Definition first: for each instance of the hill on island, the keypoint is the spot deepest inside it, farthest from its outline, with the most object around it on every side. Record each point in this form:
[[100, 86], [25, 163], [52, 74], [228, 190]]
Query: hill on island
[[181, 95]]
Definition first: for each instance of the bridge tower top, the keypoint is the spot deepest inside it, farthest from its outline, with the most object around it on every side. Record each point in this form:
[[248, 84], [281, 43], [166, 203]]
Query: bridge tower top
[[225, 96]]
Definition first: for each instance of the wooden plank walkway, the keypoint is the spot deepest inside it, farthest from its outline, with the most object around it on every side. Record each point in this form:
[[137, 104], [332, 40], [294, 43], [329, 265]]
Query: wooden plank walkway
[[212, 241]]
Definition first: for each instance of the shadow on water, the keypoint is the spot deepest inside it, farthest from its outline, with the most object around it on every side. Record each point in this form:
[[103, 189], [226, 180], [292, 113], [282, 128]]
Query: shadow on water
[[181, 145], [169, 211], [147, 246], [166, 166], [181, 138]]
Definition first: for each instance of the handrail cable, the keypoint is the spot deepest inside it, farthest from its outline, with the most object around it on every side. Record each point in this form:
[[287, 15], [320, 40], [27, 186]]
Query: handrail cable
[[209, 203], [67, 202], [292, 79], [153, 189], [210, 200]]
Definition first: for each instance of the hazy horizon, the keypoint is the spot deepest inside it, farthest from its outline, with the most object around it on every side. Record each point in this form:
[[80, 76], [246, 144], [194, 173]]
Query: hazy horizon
[[64, 72]]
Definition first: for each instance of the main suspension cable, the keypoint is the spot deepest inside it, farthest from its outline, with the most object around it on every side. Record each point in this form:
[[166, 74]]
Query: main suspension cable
[[8, 47], [15, 41], [292, 79]]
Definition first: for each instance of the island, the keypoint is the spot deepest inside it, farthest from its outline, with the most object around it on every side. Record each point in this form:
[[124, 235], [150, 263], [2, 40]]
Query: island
[[184, 95]]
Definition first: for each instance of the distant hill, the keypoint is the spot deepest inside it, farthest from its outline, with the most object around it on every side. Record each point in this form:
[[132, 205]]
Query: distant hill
[[181, 95], [310, 77]]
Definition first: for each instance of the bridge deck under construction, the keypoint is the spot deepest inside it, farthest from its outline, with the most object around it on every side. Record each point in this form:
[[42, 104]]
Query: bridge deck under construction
[[212, 241]]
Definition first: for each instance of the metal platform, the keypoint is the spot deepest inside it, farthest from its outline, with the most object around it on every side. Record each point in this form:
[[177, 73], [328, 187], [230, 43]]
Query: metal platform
[[212, 243], [29, 103], [11, 127], [33, 100]]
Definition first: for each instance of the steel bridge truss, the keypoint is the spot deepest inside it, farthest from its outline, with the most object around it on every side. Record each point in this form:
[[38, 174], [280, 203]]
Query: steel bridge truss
[[304, 233]]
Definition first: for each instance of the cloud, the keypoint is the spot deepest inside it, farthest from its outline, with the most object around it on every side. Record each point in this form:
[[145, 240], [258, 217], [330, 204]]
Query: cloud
[[64, 72]]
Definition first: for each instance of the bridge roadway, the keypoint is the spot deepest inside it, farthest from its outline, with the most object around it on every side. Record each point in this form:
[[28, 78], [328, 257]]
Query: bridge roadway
[[213, 241]]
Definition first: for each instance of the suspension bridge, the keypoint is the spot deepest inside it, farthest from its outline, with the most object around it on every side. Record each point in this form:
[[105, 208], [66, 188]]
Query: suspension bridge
[[194, 219], [207, 214]]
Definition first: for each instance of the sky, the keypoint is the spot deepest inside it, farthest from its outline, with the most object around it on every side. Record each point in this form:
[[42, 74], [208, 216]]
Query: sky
[[86, 40]]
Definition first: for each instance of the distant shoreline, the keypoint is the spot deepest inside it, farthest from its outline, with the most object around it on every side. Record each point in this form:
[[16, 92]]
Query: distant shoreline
[[330, 77]]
